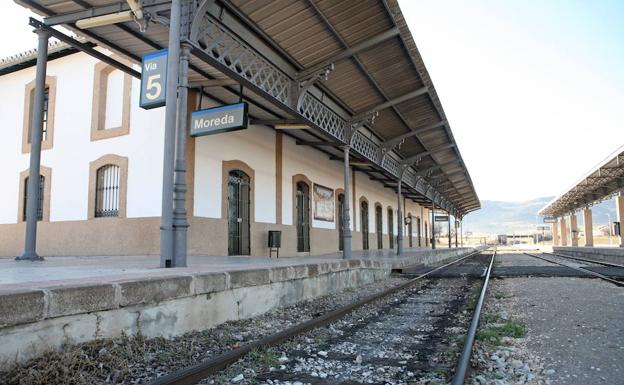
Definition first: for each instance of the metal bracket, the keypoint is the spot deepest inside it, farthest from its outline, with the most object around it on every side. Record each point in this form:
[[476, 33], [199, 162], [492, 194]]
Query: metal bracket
[[355, 125], [304, 84], [386, 147], [154, 17], [198, 17]]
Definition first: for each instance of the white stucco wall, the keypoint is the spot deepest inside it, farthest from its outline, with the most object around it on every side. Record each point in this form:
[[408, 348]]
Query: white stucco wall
[[256, 147], [317, 167], [73, 150]]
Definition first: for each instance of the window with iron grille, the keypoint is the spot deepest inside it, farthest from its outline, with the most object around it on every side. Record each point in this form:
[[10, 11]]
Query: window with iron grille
[[40, 204], [107, 191], [46, 99]]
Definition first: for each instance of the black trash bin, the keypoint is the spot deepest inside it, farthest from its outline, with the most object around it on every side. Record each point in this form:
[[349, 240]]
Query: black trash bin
[[275, 242]]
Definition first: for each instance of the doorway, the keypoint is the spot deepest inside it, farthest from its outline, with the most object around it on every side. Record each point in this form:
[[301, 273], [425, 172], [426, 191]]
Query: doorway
[[409, 229], [418, 232], [238, 213], [364, 224], [303, 217], [340, 222], [379, 226], [391, 227]]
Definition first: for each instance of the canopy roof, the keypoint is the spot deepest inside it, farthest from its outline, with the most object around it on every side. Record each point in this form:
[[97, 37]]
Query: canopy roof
[[604, 180], [375, 77]]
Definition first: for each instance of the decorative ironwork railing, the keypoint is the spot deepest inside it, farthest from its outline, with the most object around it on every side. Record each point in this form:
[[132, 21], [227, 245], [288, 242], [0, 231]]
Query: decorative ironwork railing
[[224, 48]]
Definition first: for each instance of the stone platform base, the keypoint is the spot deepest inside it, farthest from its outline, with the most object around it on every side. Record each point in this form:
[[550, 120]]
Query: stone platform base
[[607, 254], [35, 321]]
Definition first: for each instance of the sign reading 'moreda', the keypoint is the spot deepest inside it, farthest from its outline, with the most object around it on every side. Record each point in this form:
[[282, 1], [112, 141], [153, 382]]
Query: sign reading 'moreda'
[[441, 218], [226, 118], [550, 219], [154, 80]]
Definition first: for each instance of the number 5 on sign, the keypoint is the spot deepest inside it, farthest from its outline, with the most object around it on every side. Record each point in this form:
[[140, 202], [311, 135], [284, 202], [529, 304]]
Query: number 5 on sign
[[154, 89], [153, 80]]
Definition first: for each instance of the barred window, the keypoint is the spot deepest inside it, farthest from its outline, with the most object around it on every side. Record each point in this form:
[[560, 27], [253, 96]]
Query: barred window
[[107, 191], [40, 204]]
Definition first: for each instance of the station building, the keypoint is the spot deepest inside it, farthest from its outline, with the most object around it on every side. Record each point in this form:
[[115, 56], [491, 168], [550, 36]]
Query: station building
[[102, 162]]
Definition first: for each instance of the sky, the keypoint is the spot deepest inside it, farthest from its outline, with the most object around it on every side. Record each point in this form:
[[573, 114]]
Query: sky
[[533, 89]]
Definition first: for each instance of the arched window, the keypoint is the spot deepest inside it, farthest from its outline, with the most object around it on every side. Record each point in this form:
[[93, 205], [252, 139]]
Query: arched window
[[107, 191], [40, 203]]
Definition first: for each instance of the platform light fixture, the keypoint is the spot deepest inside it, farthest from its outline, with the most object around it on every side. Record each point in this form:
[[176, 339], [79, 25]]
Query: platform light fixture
[[99, 21], [135, 13], [291, 126]]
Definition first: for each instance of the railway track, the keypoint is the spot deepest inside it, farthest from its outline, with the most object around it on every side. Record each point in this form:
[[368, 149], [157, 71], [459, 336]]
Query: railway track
[[561, 259], [391, 339], [602, 263]]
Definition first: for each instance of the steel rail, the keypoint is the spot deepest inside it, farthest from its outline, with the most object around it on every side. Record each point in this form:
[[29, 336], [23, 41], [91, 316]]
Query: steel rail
[[197, 372], [464, 360], [609, 264], [598, 275]]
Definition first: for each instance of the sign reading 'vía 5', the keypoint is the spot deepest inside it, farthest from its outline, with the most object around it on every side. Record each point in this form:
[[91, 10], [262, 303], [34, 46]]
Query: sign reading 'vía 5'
[[226, 118], [154, 80]]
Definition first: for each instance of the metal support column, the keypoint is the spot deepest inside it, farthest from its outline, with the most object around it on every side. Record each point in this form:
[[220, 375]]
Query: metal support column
[[449, 228], [173, 63], [455, 224], [400, 220], [346, 224], [36, 134], [180, 220]]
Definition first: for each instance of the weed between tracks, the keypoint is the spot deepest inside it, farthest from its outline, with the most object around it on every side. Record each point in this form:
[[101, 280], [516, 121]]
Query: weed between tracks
[[494, 334], [500, 355]]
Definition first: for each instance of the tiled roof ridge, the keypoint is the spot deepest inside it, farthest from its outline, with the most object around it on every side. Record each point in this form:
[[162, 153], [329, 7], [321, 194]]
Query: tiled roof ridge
[[53, 46]]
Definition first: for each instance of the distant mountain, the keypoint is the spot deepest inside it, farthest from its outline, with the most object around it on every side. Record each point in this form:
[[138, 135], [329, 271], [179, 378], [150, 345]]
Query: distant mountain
[[500, 217]]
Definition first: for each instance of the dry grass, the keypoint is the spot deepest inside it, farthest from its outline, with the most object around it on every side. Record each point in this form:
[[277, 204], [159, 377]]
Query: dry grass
[[108, 361]]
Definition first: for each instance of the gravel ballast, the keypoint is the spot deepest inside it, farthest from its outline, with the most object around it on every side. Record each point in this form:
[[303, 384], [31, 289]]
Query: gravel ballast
[[576, 325], [137, 360]]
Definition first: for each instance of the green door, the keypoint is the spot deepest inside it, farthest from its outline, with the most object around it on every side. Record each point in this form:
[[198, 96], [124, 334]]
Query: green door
[[340, 221], [303, 217], [364, 224], [238, 213]]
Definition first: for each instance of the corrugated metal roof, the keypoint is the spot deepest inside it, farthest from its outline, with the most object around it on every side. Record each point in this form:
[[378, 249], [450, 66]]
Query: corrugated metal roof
[[306, 33]]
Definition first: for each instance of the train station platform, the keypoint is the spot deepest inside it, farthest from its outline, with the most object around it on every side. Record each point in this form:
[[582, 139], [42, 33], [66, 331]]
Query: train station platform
[[45, 305], [76, 270], [606, 254]]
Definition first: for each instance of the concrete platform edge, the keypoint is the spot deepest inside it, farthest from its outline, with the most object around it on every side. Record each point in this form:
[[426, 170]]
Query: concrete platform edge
[[35, 321]]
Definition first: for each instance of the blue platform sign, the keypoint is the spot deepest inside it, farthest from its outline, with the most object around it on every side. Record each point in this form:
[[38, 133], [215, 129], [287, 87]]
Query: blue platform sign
[[154, 80], [226, 118]]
